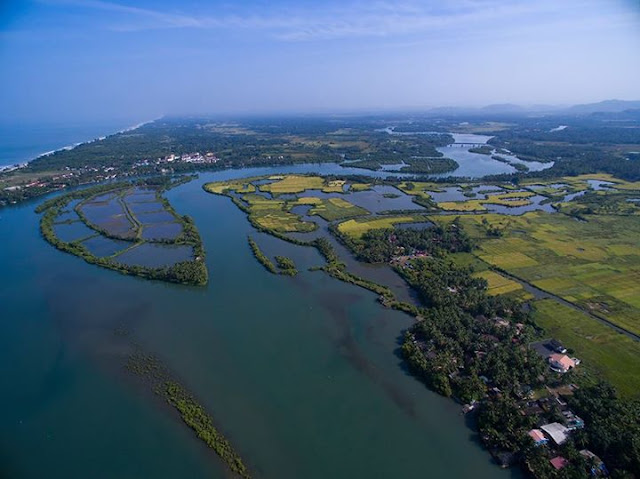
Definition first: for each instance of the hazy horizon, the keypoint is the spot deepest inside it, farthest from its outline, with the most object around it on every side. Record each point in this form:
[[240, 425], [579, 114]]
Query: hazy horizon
[[72, 60]]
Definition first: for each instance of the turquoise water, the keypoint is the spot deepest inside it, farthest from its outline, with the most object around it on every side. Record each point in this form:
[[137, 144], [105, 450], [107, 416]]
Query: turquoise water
[[301, 374]]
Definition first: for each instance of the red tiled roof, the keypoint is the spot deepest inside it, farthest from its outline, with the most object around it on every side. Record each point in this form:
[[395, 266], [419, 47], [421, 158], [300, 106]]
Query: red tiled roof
[[537, 435], [565, 361], [558, 462]]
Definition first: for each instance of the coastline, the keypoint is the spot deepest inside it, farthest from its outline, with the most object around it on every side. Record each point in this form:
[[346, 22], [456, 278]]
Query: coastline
[[22, 164]]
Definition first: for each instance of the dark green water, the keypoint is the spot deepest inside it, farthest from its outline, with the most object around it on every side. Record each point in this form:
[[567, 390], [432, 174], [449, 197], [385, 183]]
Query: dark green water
[[299, 373]]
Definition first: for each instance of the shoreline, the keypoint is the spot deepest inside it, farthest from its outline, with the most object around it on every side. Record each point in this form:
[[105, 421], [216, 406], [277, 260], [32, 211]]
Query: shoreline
[[92, 140], [23, 164]]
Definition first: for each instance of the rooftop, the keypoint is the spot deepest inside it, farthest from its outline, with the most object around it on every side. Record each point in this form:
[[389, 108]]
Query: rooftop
[[556, 431], [537, 435], [558, 462], [563, 361]]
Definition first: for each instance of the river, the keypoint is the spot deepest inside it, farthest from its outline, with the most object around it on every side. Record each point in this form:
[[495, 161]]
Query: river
[[473, 165], [301, 374]]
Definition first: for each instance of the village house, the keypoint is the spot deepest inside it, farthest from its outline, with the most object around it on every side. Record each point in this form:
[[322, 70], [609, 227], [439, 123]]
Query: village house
[[572, 421], [561, 363], [558, 462], [538, 437], [597, 466], [556, 431]]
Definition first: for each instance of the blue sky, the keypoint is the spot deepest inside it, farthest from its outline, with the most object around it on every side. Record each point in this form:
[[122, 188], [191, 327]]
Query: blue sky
[[86, 60]]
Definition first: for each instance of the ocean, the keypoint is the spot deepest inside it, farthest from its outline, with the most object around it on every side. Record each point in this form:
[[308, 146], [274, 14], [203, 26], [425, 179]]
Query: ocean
[[22, 142]]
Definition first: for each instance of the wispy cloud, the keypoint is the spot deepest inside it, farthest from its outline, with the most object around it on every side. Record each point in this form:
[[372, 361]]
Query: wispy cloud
[[360, 20]]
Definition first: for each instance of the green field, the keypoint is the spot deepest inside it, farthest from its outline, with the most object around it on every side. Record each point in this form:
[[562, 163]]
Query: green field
[[357, 227], [331, 209], [359, 187], [602, 350], [300, 183], [243, 185], [420, 189], [468, 206], [511, 199], [594, 264], [274, 215], [499, 284], [293, 184]]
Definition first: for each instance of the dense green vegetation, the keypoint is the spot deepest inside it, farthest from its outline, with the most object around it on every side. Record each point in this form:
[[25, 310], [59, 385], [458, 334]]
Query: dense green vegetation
[[261, 257], [442, 348], [381, 245], [520, 167], [194, 415], [469, 344], [191, 411], [286, 265], [612, 427], [591, 144], [482, 150], [427, 166]]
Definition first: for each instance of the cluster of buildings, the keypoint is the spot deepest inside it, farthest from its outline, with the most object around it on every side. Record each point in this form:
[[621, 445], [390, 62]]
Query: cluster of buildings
[[405, 259], [552, 435], [196, 158], [70, 176], [555, 434], [88, 174]]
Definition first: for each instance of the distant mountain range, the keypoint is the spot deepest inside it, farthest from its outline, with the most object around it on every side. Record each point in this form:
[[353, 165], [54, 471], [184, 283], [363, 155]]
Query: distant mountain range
[[507, 109], [607, 106]]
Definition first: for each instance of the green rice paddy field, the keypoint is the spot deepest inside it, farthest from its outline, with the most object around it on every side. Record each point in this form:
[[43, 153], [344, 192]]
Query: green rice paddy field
[[594, 264], [602, 350]]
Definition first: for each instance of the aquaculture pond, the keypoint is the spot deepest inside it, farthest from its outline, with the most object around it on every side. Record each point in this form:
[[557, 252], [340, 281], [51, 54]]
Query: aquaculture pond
[[73, 231], [156, 244], [109, 215], [300, 373], [144, 206], [155, 255], [161, 231], [67, 216], [157, 217], [101, 246]]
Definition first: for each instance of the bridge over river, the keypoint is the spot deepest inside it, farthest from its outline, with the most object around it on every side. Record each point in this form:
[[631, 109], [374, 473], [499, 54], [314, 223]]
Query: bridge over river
[[472, 145]]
